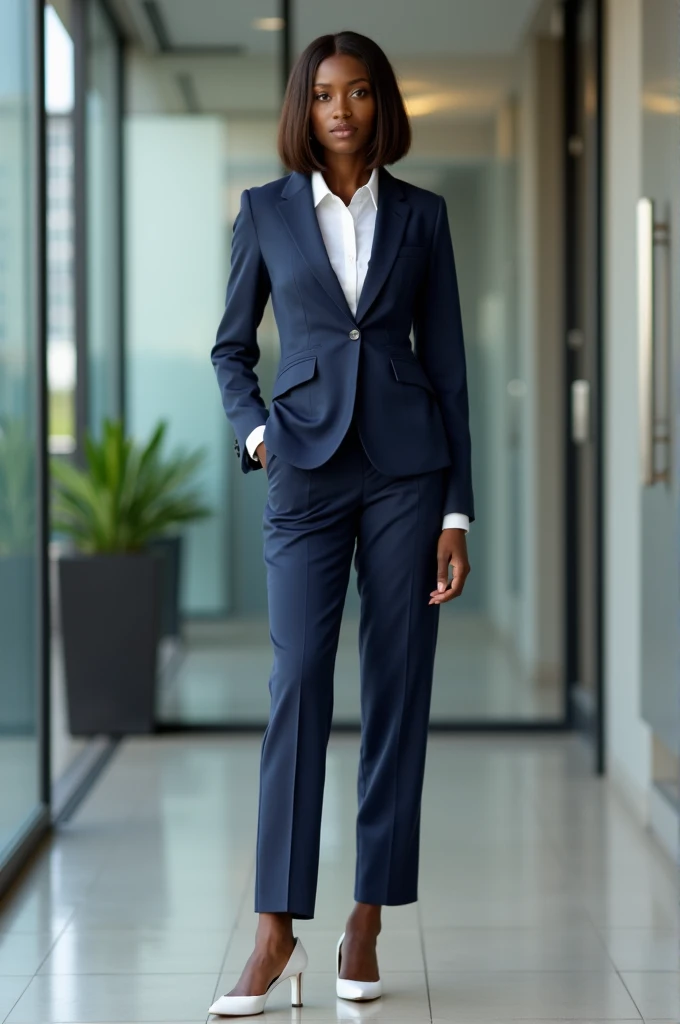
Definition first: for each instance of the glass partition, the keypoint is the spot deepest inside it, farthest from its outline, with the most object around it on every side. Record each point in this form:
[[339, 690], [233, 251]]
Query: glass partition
[[485, 109], [20, 439], [102, 134]]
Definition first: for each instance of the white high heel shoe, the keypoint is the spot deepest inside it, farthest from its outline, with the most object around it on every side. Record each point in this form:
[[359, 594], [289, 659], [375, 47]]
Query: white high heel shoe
[[245, 1006], [358, 991]]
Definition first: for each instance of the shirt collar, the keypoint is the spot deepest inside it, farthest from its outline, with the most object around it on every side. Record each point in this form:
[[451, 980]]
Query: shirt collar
[[320, 189]]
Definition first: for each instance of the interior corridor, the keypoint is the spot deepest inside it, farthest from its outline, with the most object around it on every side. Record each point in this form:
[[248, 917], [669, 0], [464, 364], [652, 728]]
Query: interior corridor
[[541, 898]]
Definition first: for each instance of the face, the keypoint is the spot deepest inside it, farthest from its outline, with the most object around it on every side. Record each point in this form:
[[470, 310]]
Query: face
[[343, 105]]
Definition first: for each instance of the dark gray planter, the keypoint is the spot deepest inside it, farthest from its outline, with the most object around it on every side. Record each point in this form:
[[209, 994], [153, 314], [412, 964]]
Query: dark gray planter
[[110, 616], [169, 549], [18, 645]]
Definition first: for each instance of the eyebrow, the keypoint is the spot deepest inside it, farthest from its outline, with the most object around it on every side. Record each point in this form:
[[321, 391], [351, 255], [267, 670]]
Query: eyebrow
[[317, 85]]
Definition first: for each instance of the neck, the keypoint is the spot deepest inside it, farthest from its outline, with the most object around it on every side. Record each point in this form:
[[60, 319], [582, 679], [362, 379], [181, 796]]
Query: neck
[[345, 173]]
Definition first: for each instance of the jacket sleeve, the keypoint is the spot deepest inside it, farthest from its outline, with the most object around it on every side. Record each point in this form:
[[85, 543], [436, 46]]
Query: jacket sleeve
[[236, 352], [439, 345]]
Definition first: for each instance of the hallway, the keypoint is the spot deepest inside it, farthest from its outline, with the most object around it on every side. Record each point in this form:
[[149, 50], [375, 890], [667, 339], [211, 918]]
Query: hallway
[[541, 898]]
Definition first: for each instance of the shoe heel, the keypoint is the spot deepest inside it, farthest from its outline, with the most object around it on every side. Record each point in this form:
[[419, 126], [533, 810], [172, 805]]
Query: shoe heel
[[296, 990]]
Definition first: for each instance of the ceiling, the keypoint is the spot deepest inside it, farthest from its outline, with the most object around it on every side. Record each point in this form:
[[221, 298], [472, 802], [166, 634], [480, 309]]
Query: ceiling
[[421, 28], [456, 60]]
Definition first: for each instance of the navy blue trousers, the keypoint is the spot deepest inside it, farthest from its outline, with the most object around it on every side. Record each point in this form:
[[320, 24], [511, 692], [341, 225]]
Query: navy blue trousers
[[315, 522]]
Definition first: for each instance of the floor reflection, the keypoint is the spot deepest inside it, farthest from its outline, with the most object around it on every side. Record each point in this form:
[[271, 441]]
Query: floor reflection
[[222, 679]]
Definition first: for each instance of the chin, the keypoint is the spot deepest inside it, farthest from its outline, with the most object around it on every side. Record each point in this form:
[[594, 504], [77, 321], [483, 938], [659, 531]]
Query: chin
[[347, 146]]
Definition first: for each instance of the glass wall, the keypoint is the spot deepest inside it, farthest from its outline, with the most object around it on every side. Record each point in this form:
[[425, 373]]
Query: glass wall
[[61, 340], [199, 129], [20, 105], [103, 217], [484, 99]]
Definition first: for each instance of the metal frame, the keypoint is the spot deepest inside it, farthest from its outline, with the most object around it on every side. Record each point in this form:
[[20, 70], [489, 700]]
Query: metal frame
[[122, 295], [591, 725], [600, 735], [42, 402], [79, 35]]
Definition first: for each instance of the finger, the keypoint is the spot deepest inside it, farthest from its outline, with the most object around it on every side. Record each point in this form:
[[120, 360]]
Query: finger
[[443, 559], [458, 581], [460, 573]]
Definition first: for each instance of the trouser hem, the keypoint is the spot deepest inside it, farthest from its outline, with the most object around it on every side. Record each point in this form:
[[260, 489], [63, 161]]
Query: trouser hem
[[381, 900]]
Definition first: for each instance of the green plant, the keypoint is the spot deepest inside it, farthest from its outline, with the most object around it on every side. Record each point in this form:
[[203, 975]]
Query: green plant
[[127, 495], [17, 488]]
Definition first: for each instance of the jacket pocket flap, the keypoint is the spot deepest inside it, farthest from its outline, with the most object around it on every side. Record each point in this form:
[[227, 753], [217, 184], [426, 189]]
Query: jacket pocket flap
[[293, 374], [410, 371]]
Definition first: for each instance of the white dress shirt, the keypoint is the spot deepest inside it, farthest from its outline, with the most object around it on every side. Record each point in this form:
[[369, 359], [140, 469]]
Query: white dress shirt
[[347, 232]]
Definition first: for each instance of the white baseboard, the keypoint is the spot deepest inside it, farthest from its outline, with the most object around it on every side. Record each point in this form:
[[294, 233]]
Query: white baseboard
[[635, 796], [664, 823]]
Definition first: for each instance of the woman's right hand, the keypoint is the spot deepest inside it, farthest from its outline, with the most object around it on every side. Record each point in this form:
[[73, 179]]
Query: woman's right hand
[[261, 452]]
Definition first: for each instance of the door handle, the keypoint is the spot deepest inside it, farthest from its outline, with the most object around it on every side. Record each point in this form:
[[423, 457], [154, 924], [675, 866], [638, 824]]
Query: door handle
[[654, 326], [580, 411]]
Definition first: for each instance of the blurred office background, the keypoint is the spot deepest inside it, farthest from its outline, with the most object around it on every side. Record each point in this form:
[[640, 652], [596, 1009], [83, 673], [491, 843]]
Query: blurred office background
[[128, 130]]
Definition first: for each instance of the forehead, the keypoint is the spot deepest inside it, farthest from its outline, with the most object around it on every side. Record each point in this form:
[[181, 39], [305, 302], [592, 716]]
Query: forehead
[[340, 67]]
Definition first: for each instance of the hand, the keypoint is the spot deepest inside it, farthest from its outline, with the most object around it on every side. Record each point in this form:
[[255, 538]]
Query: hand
[[452, 548], [261, 453]]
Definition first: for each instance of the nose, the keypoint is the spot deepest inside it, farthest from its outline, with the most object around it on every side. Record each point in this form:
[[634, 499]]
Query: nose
[[342, 113]]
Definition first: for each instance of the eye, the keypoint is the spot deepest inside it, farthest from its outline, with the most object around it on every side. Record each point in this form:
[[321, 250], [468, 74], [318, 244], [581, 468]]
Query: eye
[[320, 95], [362, 90]]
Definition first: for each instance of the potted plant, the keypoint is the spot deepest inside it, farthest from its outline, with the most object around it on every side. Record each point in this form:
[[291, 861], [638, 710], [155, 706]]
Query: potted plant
[[111, 585], [18, 579]]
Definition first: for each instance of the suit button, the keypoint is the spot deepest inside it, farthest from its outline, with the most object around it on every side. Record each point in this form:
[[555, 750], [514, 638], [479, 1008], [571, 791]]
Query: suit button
[[354, 335]]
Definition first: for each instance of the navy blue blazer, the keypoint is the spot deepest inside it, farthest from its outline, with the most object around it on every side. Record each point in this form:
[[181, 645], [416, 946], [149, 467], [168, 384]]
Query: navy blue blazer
[[411, 403]]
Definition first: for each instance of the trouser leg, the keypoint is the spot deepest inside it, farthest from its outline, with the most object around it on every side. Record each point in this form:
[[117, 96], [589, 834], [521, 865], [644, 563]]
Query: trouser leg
[[309, 536], [396, 569]]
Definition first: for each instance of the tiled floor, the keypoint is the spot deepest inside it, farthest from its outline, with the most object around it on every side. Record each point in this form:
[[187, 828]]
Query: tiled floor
[[541, 898], [487, 683]]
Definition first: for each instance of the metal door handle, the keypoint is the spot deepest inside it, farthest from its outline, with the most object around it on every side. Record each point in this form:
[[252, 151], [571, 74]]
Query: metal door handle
[[653, 356], [580, 411]]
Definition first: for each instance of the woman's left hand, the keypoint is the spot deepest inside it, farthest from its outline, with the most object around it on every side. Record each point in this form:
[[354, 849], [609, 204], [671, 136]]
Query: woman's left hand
[[452, 548]]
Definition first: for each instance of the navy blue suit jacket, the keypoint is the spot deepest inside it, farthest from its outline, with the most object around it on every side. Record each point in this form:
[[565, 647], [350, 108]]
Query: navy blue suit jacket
[[411, 403]]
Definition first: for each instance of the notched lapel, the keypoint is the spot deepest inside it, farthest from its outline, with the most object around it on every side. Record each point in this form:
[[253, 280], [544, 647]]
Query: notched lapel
[[390, 224], [297, 210], [299, 215]]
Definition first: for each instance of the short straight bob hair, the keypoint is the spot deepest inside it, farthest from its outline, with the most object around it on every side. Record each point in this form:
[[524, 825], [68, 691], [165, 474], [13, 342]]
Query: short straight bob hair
[[297, 147]]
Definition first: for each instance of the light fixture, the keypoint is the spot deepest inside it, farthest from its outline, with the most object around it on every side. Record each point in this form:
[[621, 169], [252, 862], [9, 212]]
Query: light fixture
[[269, 24]]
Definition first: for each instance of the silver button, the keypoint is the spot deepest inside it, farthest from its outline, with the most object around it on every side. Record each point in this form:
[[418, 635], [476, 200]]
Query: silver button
[[354, 335]]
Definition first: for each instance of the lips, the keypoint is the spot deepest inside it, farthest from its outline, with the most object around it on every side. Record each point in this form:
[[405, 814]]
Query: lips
[[344, 130]]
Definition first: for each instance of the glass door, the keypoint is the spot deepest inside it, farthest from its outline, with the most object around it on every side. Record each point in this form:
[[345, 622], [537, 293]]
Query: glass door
[[659, 362]]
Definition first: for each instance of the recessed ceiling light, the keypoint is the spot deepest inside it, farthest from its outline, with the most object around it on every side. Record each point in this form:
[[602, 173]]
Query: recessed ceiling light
[[269, 24]]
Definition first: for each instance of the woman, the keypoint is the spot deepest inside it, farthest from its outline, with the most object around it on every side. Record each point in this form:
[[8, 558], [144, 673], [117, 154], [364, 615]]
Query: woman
[[367, 443]]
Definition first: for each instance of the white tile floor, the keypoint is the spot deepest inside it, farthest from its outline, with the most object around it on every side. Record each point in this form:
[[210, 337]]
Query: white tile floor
[[541, 898]]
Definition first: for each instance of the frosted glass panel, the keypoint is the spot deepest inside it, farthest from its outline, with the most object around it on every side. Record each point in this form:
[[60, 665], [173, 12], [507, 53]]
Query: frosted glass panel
[[175, 258]]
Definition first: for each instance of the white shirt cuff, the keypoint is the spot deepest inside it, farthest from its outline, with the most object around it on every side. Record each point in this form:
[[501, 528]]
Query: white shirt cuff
[[456, 521], [253, 439]]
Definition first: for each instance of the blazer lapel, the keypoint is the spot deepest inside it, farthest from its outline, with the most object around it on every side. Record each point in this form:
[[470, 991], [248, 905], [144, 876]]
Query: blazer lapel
[[297, 210], [299, 215], [390, 224]]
